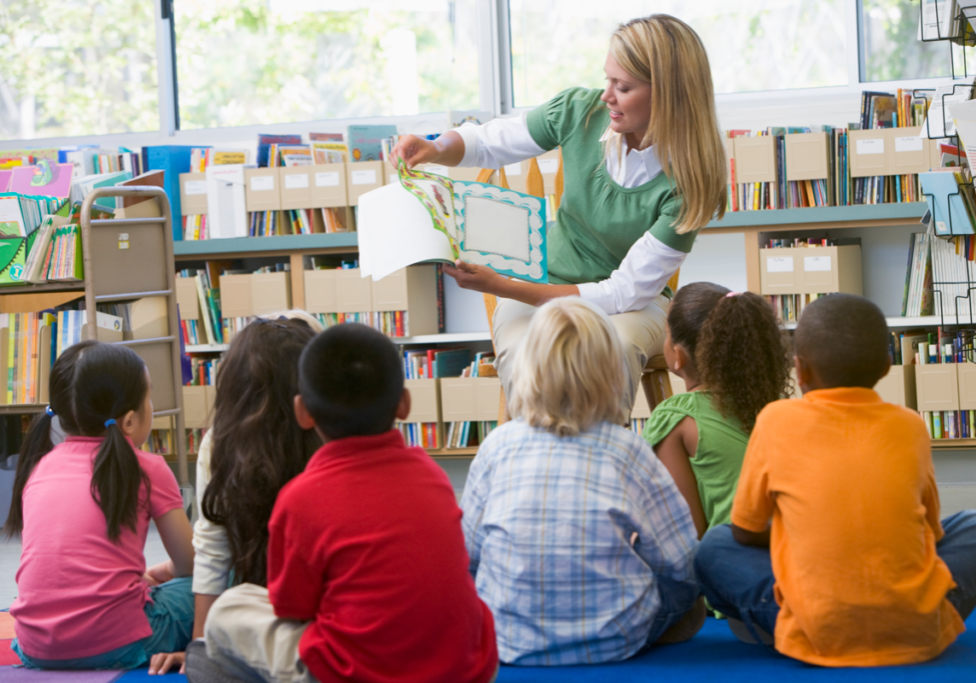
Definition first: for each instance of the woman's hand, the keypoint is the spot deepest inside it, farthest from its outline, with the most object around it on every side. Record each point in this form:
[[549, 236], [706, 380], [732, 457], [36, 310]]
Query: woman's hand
[[162, 662], [413, 151], [472, 276]]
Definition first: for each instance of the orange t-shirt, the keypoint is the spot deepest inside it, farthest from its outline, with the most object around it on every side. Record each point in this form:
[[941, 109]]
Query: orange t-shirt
[[849, 484]]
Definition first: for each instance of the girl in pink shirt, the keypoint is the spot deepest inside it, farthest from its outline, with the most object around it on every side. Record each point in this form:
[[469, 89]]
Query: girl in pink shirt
[[86, 600]]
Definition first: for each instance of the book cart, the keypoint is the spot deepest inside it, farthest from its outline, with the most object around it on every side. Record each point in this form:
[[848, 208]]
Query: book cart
[[132, 258], [124, 259]]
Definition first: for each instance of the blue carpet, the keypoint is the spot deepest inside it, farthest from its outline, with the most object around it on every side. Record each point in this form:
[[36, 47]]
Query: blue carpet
[[715, 656]]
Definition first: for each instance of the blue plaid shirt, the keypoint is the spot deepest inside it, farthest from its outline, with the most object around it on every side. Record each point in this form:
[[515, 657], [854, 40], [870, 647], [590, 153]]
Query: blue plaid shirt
[[550, 526]]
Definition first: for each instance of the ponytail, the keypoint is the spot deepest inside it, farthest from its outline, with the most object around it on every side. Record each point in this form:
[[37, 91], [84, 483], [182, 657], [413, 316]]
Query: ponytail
[[116, 479], [742, 356], [110, 381], [37, 442]]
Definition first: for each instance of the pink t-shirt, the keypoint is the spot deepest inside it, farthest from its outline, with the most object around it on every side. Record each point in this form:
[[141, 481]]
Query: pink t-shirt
[[79, 594]]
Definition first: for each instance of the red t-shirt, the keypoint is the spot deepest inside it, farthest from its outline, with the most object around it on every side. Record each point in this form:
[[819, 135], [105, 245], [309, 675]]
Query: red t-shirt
[[367, 544], [79, 594]]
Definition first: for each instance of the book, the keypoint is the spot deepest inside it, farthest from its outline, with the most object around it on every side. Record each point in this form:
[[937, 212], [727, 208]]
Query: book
[[427, 217], [266, 141], [941, 189], [45, 178], [365, 142]]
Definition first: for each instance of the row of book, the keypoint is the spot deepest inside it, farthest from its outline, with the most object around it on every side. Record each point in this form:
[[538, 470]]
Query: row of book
[[161, 441], [203, 371], [939, 277], [390, 323]]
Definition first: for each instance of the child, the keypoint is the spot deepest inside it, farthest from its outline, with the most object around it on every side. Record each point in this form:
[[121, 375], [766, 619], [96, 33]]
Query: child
[[85, 598], [856, 569], [579, 540], [731, 352], [367, 574], [254, 448]]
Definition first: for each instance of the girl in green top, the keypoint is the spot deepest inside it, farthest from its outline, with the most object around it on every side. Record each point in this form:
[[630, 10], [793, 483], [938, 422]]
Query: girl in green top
[[732, 354], [644, 169]]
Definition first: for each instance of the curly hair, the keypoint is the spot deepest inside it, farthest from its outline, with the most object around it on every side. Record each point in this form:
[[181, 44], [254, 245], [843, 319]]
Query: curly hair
[[741, 352], [257, 446]]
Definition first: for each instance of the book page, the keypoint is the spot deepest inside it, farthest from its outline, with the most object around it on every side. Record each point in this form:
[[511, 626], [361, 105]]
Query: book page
[[436, 193], [395, 231], [502, 229]]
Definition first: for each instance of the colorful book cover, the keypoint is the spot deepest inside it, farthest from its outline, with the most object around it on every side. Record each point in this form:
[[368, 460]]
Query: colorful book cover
[[475, 222], [265, 142], [365, 142], [44, 178]]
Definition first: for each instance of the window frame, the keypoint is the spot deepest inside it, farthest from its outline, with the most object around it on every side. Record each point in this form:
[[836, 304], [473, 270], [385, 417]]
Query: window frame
[[797, 106]]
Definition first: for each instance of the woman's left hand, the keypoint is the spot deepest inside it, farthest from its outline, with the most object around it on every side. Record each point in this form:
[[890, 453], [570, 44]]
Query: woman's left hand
[[472, 276]]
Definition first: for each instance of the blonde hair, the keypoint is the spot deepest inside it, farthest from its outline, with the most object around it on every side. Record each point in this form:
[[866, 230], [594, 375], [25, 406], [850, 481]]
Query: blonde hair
[[569, 371], [297, 314], [668, 54]]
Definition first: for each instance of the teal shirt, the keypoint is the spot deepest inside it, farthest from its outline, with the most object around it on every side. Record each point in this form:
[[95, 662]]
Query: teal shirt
[[721, 449], [598, 220]]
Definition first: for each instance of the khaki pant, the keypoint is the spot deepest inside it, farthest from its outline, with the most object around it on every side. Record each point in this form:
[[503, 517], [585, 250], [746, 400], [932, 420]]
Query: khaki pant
[[641, 335], [247, 640]]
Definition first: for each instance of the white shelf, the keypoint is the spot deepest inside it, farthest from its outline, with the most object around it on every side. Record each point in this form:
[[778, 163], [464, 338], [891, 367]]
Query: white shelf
[[898, 322], [444, 338], [206, 348], [453, 338]]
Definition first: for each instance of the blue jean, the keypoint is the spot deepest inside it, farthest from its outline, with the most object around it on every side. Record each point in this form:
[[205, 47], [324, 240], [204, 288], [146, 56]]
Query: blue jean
[[738, 579], [677, 598], [170, 616]]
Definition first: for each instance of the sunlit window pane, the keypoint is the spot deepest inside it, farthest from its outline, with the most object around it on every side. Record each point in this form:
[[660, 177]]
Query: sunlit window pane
[[244, 62], [752, 44], [77, 67], [890, 46]]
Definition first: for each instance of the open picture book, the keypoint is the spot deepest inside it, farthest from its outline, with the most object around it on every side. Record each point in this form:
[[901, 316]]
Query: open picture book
[[430, 218]]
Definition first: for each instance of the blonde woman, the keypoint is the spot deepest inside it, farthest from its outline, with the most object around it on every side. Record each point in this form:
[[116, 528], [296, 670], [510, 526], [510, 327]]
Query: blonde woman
[[578, 538], [644, 169]]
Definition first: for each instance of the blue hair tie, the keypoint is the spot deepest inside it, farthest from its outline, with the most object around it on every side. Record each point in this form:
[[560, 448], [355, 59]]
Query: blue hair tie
[[109, 423], [50, 411]]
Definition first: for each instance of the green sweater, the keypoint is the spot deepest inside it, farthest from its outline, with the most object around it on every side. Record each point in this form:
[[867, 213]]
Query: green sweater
[[599, 220], [721, 449]]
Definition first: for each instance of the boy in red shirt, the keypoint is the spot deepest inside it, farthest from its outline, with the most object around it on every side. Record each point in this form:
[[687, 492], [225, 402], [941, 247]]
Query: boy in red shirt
[[367, 572]]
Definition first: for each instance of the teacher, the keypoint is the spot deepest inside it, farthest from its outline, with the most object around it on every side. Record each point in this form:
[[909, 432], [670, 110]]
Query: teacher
[[644, 169]]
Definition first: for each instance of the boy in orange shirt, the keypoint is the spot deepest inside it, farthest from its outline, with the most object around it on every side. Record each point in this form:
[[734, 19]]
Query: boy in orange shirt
[[858, 571]]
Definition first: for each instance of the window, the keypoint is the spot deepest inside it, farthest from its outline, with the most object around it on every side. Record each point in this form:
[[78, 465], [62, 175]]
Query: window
[[752, 44], [890, 45], [77, 67], [242, 62]]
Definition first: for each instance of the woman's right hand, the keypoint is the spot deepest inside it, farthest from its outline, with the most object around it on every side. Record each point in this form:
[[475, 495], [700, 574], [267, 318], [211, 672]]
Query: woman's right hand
[[413, 151]]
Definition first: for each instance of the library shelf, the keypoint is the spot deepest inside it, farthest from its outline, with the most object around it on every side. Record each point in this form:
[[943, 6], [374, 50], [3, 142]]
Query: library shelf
[[799, 219], [319, 243], [448, 338], [207, 348], [22, 408], [950, 444], [47, 287], [898, 322], [452, 453]]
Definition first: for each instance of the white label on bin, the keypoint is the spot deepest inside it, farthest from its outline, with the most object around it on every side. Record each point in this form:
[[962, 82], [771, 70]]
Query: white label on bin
[[364, 177], [262, 183], [912, 143], [871, 146], [195, 187], [815, 263], [779, 264], [296, 182], [548, 165], [513, 169], [436, 168], [327, 179]]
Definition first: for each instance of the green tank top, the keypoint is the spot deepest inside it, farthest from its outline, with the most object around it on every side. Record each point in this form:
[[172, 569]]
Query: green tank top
[[721, 448], [598, 220]]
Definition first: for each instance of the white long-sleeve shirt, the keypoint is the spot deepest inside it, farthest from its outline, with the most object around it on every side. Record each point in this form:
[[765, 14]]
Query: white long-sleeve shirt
[[648, 265], [211, 567]]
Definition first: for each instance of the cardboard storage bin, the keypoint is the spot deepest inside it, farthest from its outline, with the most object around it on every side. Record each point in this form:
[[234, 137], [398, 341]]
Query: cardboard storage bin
[[193, 194], [811, 270], [470, 399], [270, 292], [413, 290], [364, 176], [320, 291], [937, 387], [236, 299], [425, 404], [898, 386], [262, 189], [354, 293]]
